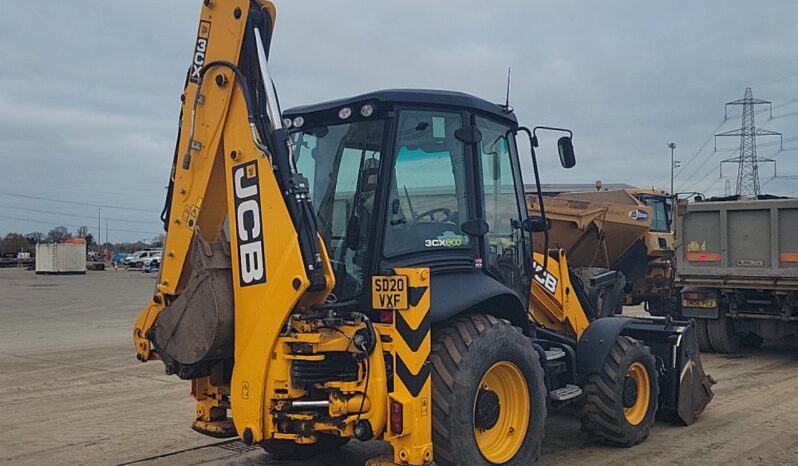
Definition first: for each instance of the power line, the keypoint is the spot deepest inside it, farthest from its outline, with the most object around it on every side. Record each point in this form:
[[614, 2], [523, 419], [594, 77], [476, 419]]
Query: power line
[[30, 220], [92, 217], [693, 157], [778, 80], [86, 204], [695, 154]]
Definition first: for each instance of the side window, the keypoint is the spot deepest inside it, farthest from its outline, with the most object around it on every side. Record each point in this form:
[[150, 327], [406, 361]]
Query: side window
[[341, 163], [427, 202]]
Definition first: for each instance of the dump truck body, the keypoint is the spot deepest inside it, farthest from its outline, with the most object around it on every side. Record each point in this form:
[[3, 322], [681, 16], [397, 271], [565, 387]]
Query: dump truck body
[[627, 230], [738, 264]]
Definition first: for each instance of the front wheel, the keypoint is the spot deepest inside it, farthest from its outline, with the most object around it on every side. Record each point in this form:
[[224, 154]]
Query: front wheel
[[619, 404], [488, 394]]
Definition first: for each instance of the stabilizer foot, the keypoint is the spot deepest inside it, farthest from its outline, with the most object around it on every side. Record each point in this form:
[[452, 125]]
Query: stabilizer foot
[[222, 428]]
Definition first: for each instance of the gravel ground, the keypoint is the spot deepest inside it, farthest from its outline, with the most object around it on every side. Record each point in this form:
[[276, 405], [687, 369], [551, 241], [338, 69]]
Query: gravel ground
[[73, 393]]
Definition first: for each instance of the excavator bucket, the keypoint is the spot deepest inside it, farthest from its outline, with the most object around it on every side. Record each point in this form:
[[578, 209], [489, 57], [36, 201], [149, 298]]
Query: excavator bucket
[[197, 327]]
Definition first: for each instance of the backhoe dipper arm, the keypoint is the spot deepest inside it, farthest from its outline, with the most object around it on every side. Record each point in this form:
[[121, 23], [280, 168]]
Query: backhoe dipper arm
[[233, 165]]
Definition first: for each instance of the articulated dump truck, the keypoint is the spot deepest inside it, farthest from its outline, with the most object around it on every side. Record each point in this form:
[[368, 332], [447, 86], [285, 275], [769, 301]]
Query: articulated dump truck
[[624, 230], [738, 267]]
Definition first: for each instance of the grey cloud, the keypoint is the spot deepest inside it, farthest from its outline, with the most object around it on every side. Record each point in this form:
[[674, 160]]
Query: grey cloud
[[89, 99]]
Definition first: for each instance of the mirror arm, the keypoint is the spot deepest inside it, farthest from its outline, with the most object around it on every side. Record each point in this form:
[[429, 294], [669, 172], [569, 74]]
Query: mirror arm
[[532, 141], [551, 128]]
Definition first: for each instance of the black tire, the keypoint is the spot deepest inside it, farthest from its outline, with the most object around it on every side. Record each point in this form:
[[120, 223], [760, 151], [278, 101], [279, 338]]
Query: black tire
[[287, 450], [722, 334], [702, 334], [462, 353], [602, 404]]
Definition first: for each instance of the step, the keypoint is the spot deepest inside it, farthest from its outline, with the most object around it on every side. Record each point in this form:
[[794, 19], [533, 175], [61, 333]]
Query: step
[[554, 353], [565, 393]]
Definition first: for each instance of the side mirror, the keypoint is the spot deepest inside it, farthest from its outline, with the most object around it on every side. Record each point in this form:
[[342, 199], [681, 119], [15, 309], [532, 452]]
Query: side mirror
[[566, 148], [535, 224]]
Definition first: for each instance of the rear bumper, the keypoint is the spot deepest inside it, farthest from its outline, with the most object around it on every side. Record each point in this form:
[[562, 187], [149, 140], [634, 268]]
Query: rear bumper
[[700, 312]]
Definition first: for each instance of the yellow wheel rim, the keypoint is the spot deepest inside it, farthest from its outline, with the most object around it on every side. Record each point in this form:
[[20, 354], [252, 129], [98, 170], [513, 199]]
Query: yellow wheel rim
[[635, 413], [500, 441]]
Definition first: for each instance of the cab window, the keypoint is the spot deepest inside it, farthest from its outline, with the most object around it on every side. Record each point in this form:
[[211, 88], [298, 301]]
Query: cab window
[[427, 197]]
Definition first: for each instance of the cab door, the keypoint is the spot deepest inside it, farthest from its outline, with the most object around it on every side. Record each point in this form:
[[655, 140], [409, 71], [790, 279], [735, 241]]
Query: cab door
[[428, 198], [505, 247]]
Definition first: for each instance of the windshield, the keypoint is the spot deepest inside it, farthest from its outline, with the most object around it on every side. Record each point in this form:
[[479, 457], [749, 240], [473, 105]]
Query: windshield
[[341, 163], [659, 205]]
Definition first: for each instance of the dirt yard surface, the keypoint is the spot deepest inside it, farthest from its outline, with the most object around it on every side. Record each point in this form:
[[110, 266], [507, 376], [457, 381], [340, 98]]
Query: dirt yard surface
[[73, 393]]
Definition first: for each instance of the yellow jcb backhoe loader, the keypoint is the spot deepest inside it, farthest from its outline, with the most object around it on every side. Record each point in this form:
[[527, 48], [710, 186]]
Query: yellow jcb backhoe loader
[[362, 269]]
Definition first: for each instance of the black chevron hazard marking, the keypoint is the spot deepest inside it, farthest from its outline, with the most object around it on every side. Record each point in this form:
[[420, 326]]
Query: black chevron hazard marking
[[413, 382], [415, 293], [412, 337]]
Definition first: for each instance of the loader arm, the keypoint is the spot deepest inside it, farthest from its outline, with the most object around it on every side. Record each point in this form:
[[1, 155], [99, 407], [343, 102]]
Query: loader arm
[[232, 171]]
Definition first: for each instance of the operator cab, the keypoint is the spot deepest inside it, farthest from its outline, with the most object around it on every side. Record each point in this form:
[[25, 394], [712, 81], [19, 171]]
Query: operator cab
[[444, 168], [661, 207]]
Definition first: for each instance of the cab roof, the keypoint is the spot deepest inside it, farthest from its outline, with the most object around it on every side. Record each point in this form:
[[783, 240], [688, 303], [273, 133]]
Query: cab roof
[[425, 97]]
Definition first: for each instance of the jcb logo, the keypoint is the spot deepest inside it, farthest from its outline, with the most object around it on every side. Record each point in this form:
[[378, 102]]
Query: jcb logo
[[545, 279], [200, 50], [249, 224]]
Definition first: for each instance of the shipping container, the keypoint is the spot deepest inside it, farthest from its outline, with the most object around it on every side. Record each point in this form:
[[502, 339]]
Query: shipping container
[[65, 258], [737, 264]]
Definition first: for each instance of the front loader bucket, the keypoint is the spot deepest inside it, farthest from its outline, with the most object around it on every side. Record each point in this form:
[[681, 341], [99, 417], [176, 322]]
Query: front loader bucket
[[685, 389], [695, 386]]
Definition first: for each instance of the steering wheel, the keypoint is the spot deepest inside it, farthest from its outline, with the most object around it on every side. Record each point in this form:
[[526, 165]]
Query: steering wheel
[[447, 215]]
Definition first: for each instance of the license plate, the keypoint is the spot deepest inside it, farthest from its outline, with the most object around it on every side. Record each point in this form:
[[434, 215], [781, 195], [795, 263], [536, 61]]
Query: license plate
[[704, 303], [389, 292]]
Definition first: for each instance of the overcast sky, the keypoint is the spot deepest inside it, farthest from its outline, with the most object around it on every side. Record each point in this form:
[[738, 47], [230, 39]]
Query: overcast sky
[[89, 89]]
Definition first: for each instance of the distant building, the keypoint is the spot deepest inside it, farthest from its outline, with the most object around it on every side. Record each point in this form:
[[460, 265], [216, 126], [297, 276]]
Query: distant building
[[552, 189]]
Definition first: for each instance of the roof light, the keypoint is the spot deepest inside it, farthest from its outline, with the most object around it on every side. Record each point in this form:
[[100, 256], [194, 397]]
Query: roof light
[[298, 122], [286, 123], [344, 113], [367, 110]]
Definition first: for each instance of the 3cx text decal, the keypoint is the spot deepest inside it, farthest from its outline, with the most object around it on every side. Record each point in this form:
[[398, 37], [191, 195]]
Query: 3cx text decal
[[443, 242], [249, 224], [545, 279], [200, 50], [446, 240]]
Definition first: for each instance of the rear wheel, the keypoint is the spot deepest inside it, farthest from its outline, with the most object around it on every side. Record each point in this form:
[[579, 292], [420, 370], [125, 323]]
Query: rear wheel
[[488, 393], [752, 340], [620, 403], [702, 334], [722, 334], [287, 450]]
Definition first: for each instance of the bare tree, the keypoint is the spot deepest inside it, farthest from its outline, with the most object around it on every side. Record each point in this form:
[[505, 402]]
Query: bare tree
[[14, 243], [35, 237], [157, 241], [58, 234]]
